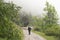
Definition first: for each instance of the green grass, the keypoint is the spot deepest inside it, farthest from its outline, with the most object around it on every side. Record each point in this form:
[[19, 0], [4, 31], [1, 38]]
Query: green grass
[[45, 36]]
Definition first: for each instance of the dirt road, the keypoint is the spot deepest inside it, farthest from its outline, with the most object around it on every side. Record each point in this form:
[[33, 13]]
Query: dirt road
[[33, 36]]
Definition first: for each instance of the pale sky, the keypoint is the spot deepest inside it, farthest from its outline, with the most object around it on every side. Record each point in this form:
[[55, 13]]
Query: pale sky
[[36, 6]]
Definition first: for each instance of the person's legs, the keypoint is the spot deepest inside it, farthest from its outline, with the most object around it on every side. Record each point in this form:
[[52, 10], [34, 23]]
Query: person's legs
[[29, 32]]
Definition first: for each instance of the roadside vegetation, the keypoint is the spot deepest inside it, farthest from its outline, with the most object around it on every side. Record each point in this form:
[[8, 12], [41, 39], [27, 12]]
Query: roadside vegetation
[[48, 26], [45, 36], [9, 30]]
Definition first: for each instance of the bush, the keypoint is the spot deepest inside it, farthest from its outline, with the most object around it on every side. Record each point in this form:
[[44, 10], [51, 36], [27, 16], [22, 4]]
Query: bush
[[53, 31], [10, 31], [37, 28]]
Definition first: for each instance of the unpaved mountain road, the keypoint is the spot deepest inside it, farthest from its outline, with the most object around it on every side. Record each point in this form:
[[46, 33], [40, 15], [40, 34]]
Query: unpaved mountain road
[[33, 36]]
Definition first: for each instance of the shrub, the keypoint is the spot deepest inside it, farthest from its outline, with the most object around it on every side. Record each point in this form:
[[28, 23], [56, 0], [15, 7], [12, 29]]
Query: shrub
[[10, 31], [53, 31]]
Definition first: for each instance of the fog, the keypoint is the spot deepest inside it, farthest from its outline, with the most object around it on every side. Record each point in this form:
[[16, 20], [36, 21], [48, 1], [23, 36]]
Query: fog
[[35, 7]]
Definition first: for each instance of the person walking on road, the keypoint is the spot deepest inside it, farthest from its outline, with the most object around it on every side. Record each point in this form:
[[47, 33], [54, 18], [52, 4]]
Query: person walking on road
[[29, 30]]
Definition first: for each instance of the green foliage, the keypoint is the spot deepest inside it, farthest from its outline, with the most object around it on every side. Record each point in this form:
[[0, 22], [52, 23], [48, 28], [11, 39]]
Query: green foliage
[[8, 29], [53, 31], [11, 31], [50, 26], [25, 19], [37, 23], [51, 16]]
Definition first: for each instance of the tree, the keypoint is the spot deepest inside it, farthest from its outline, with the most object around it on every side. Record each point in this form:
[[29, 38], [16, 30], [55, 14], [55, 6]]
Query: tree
[[37, 23], [25, 19], [50, 21], [8, 29], [51, 16]]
